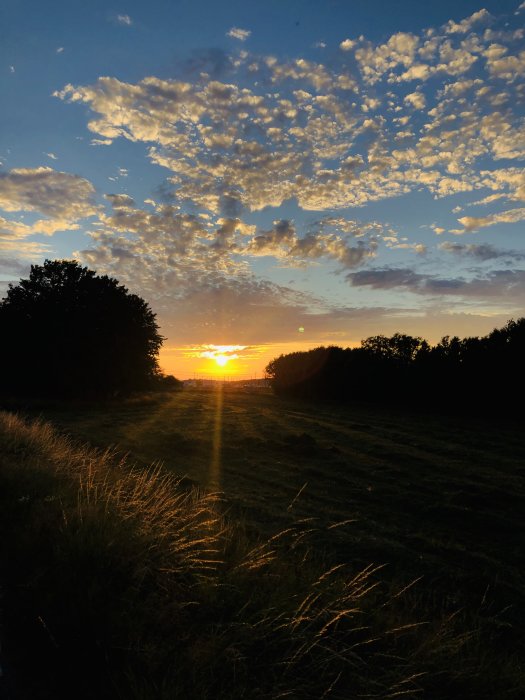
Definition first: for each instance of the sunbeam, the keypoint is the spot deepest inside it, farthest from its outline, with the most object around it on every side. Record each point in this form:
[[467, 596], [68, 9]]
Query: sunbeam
[[214, 480]]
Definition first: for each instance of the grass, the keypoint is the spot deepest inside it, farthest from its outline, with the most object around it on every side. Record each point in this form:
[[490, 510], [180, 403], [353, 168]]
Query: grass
[[350, 552]]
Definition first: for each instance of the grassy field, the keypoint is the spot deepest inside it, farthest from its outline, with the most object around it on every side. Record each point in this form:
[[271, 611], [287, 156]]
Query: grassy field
[[416, 487], [434, 500]]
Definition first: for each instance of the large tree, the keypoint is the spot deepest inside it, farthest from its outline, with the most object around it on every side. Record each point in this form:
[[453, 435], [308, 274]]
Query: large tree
[[68, 331]]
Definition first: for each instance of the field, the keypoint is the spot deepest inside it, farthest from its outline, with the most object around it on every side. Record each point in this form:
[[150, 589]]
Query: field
[[418, 488], [437, 502]]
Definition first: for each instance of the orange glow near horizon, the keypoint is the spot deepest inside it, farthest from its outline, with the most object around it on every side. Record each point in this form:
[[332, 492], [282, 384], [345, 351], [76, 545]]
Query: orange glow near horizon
[[230, 361], [210, 361], [249, 361]]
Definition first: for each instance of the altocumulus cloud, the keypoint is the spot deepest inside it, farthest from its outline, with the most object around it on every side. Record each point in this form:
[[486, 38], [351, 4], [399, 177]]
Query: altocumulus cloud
[[436, 111], [324, 136], [238, 33], [61, 197], [124, 20]]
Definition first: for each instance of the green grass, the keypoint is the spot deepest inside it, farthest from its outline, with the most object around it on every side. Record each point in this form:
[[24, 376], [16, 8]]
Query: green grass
[[435, 503]]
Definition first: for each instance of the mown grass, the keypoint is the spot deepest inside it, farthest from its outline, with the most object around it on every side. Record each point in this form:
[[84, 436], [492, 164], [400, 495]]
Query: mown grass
[[142, 578], [120, 582]]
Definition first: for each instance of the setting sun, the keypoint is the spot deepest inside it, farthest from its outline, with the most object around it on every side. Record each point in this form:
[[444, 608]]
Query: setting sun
[[221, 360]]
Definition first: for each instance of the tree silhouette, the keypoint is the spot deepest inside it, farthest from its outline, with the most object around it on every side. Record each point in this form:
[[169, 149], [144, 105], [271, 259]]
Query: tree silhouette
[[400, 348], [484, 374], [67, 331]]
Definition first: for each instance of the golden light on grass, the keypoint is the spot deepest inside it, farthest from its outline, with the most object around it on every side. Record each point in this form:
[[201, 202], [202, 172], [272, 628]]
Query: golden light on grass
[[214, 480]]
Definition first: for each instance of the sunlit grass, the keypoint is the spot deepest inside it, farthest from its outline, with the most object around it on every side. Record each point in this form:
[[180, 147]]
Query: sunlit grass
[[214, 480], [140, 585]]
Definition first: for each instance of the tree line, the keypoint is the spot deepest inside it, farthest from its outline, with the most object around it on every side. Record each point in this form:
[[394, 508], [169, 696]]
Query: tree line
[[480, 373], [68, 332]]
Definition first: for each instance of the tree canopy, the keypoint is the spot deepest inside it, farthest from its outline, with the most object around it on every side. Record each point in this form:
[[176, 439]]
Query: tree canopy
[[68, 331], [481, 374]]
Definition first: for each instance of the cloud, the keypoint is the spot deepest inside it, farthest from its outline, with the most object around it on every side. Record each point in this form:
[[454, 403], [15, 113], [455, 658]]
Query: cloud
[[124, 20], [466, 25], [416, 100], [483, 252], [323, 242], [240, 136], [387, 278], [191, 243], [508, 68], [238, 33], [60, 49], [12, 266], [212, 352], [347, 45], [498, 284], [62, 197], [46, 190], [270, 131], [12, 245], [474, 223], [196, 271], [200, 297], [399, 50]]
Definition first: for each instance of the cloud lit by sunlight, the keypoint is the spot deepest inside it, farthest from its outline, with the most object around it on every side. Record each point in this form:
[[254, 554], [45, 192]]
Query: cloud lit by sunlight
[[219, 356], [220, 353], [274, 195]]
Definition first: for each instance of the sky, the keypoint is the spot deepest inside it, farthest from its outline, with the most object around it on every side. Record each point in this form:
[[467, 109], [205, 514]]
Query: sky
[[271, 176]]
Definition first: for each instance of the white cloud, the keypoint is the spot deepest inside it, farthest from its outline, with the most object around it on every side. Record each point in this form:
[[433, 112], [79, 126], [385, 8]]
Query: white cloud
[[466, 25], [473, 223], [270, 131], [243, 133], [125, 20], [347, 45], [416, 100], [508, 68], [283, 243], [399, 50], [238, 33], [62, 197], [60, 49]]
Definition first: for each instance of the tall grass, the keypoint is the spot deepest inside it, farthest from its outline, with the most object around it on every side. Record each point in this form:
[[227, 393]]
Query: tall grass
[[122, 582]]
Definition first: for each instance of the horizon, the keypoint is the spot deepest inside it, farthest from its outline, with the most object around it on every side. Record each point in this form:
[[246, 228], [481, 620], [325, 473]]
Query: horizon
[[271, 177]]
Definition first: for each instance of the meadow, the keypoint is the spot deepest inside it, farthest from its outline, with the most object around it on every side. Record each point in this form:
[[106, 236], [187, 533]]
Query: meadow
[[419, 515]]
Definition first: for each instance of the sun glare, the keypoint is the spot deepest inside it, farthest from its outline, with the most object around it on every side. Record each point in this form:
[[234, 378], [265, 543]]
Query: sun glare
[[219, 355]]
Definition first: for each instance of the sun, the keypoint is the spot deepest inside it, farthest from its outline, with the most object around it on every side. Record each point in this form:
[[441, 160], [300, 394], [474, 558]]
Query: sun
[[219, 356], [221, 360]]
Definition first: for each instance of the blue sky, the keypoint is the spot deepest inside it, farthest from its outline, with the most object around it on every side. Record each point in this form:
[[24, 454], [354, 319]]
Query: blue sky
[[256, 168]]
